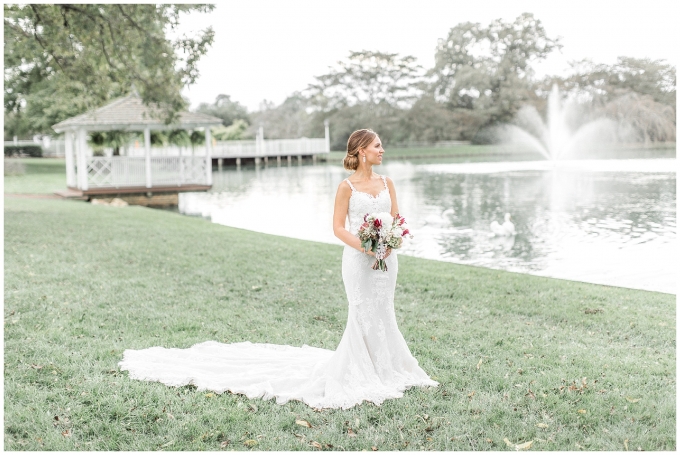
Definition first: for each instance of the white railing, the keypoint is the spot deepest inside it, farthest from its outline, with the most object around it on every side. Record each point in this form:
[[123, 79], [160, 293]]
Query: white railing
[[53, 147], [23, 142], [133, 150], [235, 149], [268, 147], [124, 171], [302, 146], [178, 170]]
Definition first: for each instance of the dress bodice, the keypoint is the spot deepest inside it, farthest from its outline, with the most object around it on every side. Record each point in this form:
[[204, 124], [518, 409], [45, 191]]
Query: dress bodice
[[361, 203]]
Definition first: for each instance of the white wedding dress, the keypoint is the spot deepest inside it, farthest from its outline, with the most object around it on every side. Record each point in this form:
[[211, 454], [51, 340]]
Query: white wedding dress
[[372, 362]]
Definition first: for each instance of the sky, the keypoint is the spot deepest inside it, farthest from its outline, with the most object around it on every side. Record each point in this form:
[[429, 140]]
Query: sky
[[268, 49]]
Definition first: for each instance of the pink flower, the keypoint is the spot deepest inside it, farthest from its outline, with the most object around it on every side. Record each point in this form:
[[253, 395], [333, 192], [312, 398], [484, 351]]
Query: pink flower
[[404, 233], [377, 223], [365, 216]]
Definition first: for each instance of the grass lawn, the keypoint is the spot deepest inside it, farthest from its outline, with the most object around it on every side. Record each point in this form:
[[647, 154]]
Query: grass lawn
[[43, 176], [566, 365]]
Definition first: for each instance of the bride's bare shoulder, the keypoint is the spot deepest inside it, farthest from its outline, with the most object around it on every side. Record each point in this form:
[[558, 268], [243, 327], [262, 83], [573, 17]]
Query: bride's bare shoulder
[[344, 189], [389, 181]]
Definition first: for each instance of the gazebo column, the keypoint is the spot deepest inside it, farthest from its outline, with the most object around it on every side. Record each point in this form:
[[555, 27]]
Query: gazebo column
[[81, 159], [147, 155], [68, 152], [208, 156]]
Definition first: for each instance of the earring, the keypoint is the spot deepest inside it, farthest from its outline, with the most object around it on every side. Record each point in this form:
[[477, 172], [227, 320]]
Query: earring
[[364, 158]]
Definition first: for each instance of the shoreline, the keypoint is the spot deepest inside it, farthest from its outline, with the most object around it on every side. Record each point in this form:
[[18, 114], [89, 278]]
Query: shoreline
[[444, 261]]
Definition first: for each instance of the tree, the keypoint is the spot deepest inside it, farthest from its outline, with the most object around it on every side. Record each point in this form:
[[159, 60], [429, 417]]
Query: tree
[[226, 109], [370, 89], [113, 139], [649, 120], [639, 94], [431, 121], [64, 59], [604, 83], [371, 78], [488, 69], [351, 118], [234, 132], [291, 119]]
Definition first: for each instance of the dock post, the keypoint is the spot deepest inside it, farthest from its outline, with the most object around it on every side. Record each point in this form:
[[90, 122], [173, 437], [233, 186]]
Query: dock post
[[266, 160], [327, 136], [219, 164], [278, 160], [299, 160], [208, 156], [147, 156], [238, 163], [289, 159]]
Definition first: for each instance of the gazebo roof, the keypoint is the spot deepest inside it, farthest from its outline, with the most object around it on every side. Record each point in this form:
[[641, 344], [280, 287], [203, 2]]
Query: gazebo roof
[[129, 113]]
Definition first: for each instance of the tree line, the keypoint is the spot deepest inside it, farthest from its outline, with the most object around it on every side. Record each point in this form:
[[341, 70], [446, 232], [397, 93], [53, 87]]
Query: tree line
[[61, 60], [482, 76]]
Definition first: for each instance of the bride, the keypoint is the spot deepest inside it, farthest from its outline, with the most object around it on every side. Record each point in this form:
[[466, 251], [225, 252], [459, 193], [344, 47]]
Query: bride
[[372, 362]]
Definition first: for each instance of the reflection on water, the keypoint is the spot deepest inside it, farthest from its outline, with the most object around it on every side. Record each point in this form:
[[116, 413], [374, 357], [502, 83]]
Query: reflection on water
[[603, 221]]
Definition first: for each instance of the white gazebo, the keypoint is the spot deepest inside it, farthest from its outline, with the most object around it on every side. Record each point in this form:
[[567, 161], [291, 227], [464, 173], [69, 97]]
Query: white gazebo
[[99, 175]]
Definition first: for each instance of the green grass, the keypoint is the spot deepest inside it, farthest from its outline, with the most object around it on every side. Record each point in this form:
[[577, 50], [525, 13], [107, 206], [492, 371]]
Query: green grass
[[511, 351], [43, 176]]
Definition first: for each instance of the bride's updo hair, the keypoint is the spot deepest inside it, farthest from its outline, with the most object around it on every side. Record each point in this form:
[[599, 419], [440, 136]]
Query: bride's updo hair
[[357, 140]]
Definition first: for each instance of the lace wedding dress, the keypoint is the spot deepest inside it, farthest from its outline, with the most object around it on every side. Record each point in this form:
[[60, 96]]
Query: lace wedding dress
[[372, 362]]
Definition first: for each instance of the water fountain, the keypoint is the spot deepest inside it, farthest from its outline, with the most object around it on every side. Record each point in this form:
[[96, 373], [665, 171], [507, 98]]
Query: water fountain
[[554, 138]]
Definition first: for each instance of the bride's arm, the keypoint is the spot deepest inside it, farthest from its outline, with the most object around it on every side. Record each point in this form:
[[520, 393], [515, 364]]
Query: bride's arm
[[339, 216], [393, 196]]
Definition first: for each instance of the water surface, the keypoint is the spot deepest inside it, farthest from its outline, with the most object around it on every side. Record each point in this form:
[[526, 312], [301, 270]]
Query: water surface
[[601, 221]]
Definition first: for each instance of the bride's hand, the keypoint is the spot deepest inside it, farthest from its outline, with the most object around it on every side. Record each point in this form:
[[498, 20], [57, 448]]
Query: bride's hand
[[371, 253]]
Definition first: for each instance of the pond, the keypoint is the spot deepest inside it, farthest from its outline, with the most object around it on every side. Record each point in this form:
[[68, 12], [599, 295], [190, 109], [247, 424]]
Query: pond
[[608, 221]]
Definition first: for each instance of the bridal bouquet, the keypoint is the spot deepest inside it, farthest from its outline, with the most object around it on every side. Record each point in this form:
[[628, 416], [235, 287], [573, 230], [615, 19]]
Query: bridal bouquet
[[379, 232]]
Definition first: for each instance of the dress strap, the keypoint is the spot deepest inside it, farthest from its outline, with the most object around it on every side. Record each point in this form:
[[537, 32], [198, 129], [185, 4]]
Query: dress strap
[[350, 184], [384, 181]]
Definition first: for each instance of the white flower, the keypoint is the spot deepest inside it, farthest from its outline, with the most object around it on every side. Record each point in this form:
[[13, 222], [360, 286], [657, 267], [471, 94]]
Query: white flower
[[385, 218]]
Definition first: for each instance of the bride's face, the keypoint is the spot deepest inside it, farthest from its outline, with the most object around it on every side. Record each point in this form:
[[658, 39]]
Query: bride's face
[[374, 152]]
